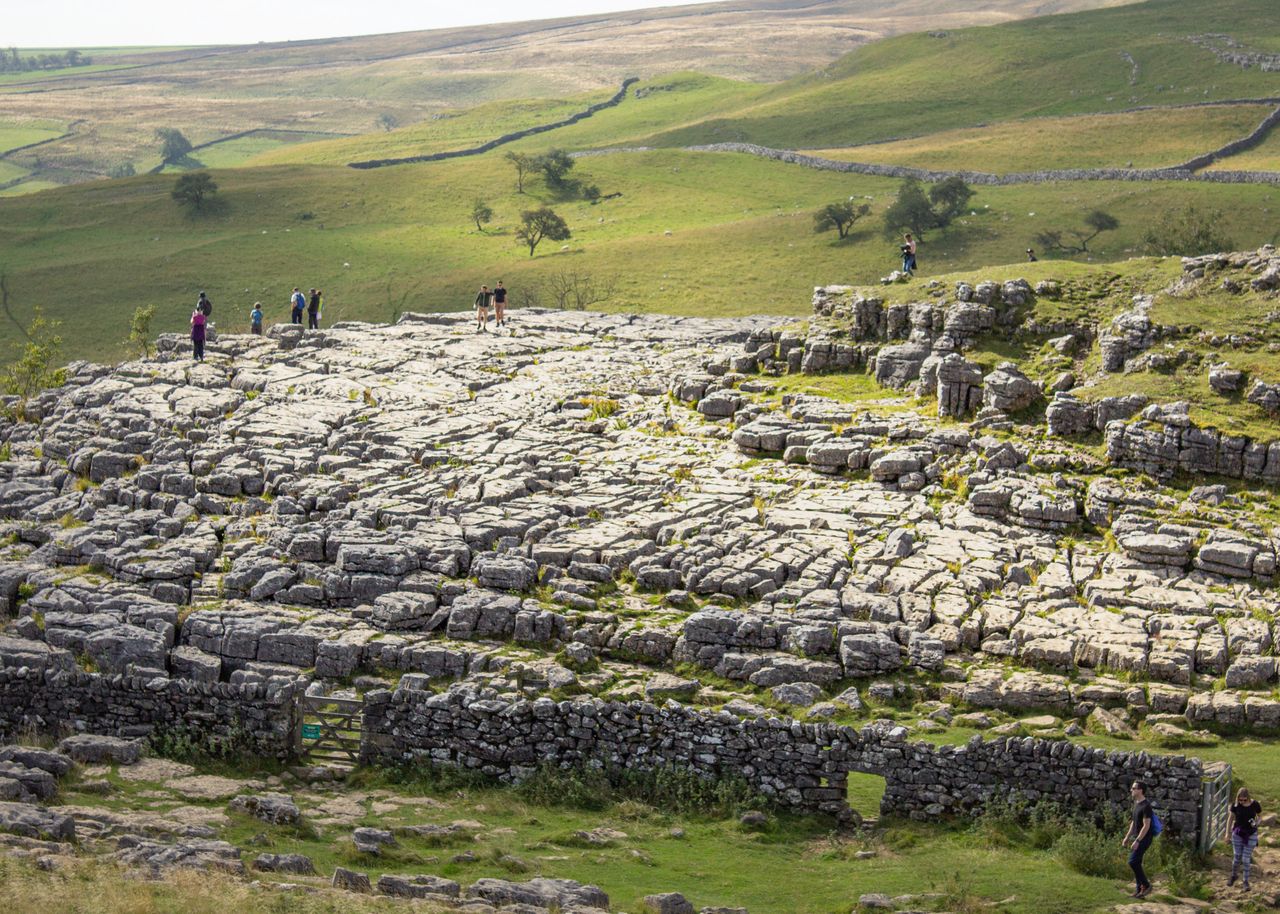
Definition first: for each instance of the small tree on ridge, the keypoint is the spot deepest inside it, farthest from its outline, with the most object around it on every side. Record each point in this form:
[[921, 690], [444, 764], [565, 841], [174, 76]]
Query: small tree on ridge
[[839, 216], [194, 188], [537, 224], [140, 328], [1096, 222], [481, 213]]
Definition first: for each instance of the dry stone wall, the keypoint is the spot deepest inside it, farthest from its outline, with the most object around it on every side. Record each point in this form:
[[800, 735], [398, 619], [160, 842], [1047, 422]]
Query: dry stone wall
[[803, 766], [252, 718], [985, 179]]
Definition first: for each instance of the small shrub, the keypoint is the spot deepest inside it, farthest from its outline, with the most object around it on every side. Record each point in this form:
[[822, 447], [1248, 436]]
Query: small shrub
[[959, 896], [1184, 869], [602, 407], [578, 788], [190, 744], [1090, 852], [667, 788]]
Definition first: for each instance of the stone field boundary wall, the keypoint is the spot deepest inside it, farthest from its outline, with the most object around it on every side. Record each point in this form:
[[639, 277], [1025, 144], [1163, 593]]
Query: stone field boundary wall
[[801, 766], [612, 102], [252, 718], [981, 178]]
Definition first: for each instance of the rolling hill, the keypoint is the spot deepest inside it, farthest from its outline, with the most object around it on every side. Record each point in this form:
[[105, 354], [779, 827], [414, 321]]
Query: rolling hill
[[679, 231], [342, 86]]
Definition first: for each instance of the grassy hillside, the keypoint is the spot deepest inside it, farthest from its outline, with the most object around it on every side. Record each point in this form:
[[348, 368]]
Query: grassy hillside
[[741, 238], [1142, 139], [661, 103], [343, 86], [919, 84]]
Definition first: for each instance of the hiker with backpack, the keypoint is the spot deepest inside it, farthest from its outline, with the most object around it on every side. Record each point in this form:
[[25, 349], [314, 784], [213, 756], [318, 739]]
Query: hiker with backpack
[[296, 303], [1143, 829], [255, 319]]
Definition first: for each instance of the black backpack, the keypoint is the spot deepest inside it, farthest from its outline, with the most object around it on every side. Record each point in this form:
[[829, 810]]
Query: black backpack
[[205, 307]]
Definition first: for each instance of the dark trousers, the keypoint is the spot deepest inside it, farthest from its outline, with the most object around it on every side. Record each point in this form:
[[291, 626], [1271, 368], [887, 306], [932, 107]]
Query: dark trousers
[[197, 346], [1135, 862], [255, 329], [296, 316], [313, 320]]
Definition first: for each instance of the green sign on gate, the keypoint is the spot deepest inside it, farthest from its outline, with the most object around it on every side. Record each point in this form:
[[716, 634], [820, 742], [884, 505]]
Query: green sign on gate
[[310, 731]]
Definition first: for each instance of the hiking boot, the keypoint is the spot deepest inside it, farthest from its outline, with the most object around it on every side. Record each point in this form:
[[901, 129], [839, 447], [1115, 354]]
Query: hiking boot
[[1232, 879]]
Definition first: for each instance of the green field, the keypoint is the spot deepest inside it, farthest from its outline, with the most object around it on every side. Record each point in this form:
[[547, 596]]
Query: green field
[[1140, 139], [27, 187], [741, 237], [687, 233], [16, 135], [1263, 157], [10, 172], [447, 131], [21, 80], [241, 151]]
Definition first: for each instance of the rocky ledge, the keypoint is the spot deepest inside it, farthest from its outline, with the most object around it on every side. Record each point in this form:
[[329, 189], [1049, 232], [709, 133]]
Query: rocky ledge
[[591, 500]]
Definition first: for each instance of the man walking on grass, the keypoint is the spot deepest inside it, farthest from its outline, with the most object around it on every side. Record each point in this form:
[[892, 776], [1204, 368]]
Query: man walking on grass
[[1142, 832]]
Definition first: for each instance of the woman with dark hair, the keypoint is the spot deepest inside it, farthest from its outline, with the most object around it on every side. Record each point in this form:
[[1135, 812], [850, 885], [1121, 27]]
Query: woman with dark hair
[[1243, 832]]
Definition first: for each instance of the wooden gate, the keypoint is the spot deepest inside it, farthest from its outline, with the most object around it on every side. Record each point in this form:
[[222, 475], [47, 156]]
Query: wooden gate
[[1215, 801], [329, 729]]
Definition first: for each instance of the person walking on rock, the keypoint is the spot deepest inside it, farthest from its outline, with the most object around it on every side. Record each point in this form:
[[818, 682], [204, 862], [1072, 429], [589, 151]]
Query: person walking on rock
[[500, 305], [313, 311], [198, 322], [1142, 831], [1242, 829], [297, 302], [908, 254], [255, 319], [484, 298]]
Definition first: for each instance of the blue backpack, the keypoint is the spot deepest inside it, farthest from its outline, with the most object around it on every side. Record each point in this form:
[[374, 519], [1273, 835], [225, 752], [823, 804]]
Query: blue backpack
[[1156, 825]]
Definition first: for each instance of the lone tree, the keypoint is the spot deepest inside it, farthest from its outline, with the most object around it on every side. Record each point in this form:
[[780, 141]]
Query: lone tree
[[537, 224], [917, 212], [1096, 222], [524, 165], [33, 370], [1189, 233], [555, 166], [578, 291], [481, 213], [194, 188], [140, 328], [176, 146], [839, 216], [950, 198], [387, 122]]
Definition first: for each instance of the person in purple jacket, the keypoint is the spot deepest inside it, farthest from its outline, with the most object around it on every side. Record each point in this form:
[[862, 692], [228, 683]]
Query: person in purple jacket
[[198, 322]]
